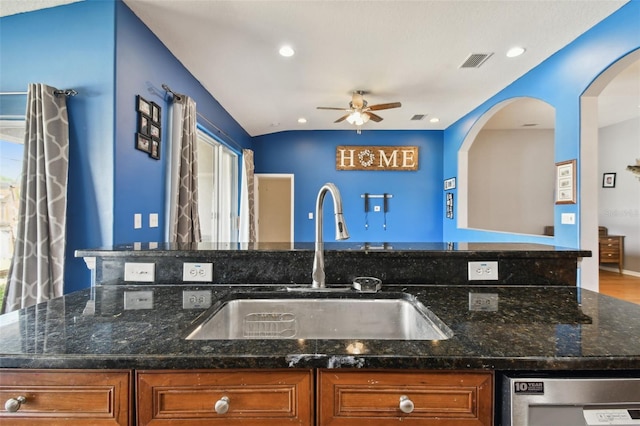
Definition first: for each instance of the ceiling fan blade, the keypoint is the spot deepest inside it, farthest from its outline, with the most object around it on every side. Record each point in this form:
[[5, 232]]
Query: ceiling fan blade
[[344, 117], [335, 108], [374, 117], [378, 107]]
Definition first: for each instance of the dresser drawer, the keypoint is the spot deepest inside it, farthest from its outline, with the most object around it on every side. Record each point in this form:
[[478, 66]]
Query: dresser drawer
[[65, 397], [428, 398], [250, 397]]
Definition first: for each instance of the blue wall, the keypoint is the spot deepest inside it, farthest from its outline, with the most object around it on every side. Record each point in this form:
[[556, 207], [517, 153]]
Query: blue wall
[[72, 47], [103, 51], [415, 211], [143, 64], [559, 81]]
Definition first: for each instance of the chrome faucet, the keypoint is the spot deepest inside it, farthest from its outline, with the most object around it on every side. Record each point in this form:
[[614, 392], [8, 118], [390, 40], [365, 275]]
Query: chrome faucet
[[341, 232]]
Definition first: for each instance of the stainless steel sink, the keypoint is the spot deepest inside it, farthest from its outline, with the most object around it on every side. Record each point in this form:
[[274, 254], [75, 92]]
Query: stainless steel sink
[[395, 318]]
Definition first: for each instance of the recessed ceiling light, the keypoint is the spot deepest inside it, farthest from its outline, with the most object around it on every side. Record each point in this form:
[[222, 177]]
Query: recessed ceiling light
[[302, 120], [515, 51], [286, 51], [434, 120]]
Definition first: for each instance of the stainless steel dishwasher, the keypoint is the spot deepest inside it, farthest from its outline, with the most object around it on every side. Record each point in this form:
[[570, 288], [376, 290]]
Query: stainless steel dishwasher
[[570, 401]]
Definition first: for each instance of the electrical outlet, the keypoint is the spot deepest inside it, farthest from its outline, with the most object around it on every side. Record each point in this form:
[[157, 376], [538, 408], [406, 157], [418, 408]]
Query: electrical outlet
[[140, 272], [196, 299], [202, 272], [486, 302], [138, 300], [483, 271]]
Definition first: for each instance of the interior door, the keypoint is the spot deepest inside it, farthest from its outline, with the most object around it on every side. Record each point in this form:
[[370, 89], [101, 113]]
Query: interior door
[[274, 208]]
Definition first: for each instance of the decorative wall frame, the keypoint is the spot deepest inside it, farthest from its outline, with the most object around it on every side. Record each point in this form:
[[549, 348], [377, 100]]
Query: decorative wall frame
[[143, 106], [449, 212], [566, 182], [155, 149], [450, 184], [149, 129], [143, 143], [608, 180]]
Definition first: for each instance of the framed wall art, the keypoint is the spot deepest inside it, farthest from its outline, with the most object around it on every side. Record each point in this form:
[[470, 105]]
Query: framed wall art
[[450, 184], [566, 182], [609, 180], [143, 143]]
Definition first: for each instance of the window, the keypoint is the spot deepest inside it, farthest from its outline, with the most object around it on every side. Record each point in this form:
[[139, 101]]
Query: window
[[11, 149], [217, 190]]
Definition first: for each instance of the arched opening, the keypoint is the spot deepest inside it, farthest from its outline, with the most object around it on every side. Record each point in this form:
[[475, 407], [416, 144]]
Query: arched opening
[[607, 106], [509, 162]]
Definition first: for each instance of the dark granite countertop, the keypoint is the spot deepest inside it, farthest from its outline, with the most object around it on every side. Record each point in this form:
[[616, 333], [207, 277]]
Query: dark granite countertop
[[534, 328], [464, 249]]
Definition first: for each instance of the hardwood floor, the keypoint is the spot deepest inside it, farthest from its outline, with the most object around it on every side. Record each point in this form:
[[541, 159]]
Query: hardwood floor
[[624, 287]]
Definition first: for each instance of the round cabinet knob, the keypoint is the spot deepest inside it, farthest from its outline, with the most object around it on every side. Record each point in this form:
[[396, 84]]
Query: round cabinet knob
[[406, 405], [13, 404], [222, 405]]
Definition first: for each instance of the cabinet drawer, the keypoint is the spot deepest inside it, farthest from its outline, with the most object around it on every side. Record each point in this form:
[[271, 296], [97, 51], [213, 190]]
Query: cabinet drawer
[[69, 397], [254, 397], [373, 397]]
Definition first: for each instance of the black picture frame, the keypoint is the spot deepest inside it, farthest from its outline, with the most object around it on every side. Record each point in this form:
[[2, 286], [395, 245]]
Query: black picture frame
[[154, 131], [155, 149], [143, 123], [143, 106], [608, 180], [155, 112], [143, 142]]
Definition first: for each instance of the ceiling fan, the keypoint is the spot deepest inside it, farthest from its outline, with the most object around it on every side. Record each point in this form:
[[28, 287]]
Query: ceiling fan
[[359, 111]]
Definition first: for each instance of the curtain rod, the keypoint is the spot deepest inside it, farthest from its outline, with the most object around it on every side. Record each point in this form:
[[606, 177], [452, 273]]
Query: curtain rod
[[65, 92], [222, 132]]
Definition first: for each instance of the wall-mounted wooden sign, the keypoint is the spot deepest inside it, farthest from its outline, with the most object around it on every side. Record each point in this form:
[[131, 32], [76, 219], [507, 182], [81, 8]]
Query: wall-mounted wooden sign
[[402, 158]]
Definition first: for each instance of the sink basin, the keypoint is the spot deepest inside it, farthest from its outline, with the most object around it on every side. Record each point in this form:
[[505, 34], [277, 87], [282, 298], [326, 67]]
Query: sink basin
[[399, 317]]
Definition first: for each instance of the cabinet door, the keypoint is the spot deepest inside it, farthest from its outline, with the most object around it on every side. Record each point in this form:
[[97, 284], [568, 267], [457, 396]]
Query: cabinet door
[[411, 397], [65, 397], [225, 397]]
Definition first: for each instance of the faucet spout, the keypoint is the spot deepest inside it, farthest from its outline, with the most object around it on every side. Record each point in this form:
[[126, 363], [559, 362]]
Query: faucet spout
[[318, 274]]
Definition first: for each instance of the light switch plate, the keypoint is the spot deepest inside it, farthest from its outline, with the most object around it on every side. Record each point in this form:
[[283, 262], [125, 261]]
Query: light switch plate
[[140, 272]]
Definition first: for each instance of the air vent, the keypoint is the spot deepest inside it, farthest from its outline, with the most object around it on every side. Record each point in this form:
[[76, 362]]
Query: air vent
[[475, 60], [418, 117]]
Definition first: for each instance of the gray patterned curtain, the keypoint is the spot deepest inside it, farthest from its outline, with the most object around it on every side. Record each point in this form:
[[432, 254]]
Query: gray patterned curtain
[[247, 200], [182, 199], [37, 269]]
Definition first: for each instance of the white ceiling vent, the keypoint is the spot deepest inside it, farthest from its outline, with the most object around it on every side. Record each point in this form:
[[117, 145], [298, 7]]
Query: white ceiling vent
[[418, 117], [475, 60]]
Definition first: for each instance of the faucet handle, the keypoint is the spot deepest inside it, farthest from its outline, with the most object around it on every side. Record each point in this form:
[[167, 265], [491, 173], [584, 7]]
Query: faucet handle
[[367, 284]]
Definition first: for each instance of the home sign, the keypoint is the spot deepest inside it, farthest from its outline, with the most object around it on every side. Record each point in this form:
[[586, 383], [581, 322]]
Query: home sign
[[383, 158]]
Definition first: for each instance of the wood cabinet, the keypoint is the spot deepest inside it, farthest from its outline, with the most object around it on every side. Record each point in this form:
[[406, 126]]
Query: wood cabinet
[[229, 397], [375, 397], [65, 397], [611, 250]]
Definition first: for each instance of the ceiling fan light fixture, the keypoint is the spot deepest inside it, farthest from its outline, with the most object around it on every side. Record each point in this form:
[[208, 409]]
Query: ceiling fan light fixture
[[358, 118]]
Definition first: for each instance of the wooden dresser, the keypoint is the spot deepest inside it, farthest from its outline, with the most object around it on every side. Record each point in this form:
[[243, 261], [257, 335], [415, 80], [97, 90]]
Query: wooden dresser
[[611, 249]]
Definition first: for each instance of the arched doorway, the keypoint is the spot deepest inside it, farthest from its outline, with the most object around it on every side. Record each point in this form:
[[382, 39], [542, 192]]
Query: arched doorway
[[590, 178], [507, 169]]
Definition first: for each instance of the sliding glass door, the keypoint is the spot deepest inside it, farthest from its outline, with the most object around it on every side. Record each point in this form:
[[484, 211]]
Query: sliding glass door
[[217, 190]]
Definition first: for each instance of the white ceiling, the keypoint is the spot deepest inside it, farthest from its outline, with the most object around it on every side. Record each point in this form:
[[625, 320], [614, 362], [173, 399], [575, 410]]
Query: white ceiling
[[406, 51]]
